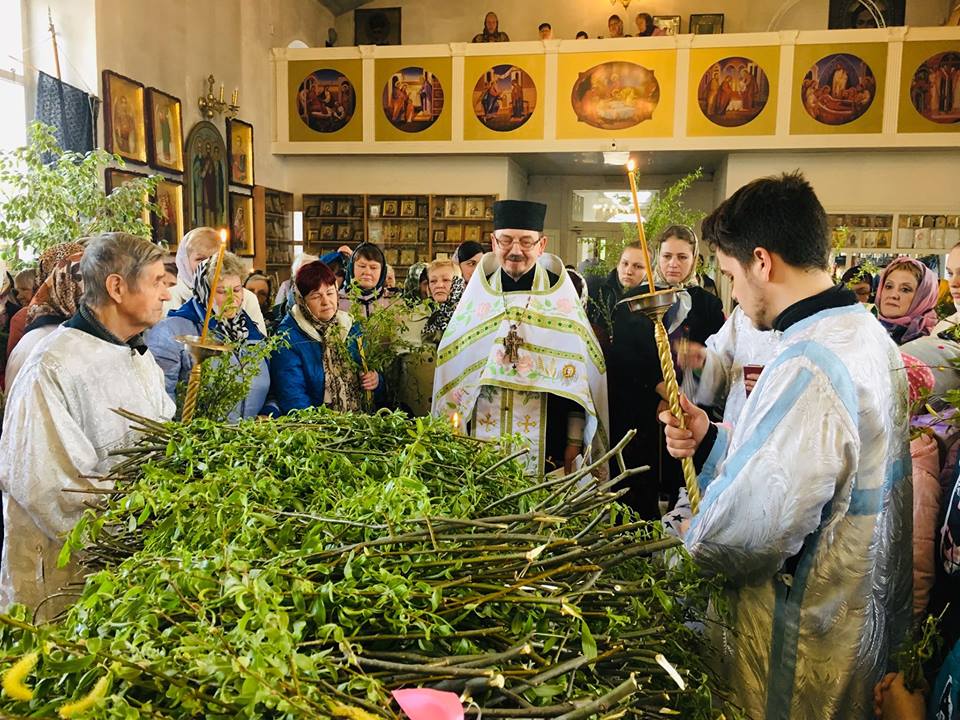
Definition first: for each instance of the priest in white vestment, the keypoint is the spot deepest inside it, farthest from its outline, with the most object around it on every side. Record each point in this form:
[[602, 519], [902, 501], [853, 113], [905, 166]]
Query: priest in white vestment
[[59, 425], [519, 356]]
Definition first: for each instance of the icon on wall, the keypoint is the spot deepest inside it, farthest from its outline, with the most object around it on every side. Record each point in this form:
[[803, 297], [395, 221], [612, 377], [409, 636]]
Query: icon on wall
[[504, 98], [615, 95], [733, 91], [413, 99], [326, 100], [838, 89], [935, 88]]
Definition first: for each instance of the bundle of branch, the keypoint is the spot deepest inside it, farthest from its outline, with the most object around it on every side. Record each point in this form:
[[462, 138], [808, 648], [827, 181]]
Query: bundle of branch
[[310, 566]]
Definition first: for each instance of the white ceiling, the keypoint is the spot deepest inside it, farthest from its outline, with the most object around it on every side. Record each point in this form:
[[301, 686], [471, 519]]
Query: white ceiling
[[650, 163]]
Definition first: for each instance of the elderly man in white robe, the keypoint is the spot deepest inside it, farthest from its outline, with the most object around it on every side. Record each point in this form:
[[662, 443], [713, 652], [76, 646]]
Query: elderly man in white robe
[[519, 356], [806, 503], [59, 424]]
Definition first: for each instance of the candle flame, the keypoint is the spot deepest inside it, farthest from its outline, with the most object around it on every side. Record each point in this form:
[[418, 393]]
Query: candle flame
[[223, 235], [631, 165], [455, 420]]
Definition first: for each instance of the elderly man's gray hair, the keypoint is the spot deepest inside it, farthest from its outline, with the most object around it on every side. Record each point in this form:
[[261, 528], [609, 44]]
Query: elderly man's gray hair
[[114, 254]]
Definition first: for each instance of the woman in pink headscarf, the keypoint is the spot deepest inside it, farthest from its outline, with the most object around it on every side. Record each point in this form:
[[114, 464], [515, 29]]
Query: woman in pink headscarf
[[907, 299]]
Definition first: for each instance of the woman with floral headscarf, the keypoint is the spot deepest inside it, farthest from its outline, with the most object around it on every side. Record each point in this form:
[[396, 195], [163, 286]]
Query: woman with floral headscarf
[[907, 299], [49, 259], [229, 324], [57, 300], [312, 370]]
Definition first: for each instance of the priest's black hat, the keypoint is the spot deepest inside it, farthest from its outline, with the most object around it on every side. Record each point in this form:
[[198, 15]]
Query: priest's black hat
[[518, 215]]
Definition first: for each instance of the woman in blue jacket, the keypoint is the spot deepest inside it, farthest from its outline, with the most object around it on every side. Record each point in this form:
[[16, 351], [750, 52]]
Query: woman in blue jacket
[[229, 324], [312, 371]]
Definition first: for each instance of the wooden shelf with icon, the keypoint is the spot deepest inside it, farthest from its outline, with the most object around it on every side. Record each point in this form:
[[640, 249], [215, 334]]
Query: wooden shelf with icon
[[273, 231], [409, 228]]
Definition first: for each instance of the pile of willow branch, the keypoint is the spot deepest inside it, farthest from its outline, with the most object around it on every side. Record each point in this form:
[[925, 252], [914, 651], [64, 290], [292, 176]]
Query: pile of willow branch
[[307, 567]]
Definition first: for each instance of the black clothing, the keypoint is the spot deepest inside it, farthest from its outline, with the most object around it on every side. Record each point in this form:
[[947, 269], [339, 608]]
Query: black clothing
[[524, 283], [86, 321], [604, 295], [633, 372]]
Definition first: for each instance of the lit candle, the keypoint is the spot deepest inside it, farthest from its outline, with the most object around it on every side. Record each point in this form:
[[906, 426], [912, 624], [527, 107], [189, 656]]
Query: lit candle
[[213, 285], [455, 422], [221, 92], [631, 166], [236, 95]]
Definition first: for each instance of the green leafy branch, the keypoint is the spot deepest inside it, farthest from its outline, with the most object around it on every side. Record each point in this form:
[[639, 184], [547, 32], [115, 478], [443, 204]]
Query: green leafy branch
[[46, 201]]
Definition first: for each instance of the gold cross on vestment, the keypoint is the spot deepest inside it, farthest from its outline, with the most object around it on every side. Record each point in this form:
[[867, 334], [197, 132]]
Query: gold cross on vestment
[[512, 344], [486, 421], [527, 423]]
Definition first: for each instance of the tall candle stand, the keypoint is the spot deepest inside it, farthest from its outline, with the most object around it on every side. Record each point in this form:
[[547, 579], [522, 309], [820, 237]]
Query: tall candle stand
[[654, 304]]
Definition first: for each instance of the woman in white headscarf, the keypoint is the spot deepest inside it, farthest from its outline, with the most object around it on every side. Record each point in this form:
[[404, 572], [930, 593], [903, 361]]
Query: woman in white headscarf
[[198, 245]]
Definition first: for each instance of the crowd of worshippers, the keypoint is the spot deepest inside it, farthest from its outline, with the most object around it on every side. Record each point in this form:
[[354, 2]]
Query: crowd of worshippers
[[645, 27], [797, 406]]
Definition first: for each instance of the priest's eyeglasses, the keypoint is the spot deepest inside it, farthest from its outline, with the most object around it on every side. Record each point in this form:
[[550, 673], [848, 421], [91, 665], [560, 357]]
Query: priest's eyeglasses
[[525, 242]]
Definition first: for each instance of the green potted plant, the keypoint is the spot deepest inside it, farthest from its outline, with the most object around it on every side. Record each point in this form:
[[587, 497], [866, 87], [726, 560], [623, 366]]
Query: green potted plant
[[49, 196]]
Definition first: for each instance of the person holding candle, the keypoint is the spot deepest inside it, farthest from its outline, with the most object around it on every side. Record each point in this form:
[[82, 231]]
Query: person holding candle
[[60, 427], [518, 356], [229, 324], [198, 245], [806, 505]]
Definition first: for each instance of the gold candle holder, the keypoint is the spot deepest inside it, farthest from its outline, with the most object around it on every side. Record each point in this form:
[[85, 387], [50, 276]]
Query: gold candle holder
[[199, 346], [654, 306]]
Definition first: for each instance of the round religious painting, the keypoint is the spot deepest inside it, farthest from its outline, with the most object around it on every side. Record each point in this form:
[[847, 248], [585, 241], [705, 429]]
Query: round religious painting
[[413, 99], [733, 91], [326, 100], [615, 95], [935, 88], [838, 89], [504, 98]]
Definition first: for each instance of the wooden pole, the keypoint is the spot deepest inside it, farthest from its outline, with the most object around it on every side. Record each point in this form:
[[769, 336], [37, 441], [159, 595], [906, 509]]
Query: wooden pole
[[56, 49]]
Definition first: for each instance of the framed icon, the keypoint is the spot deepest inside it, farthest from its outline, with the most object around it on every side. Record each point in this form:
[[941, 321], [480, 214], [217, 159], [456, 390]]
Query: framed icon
[[389, 208], [473, 207], [326, 208], [241, 224], [455, 233], [344, 208], [125, 130], [408, 208], [706, 23], [327, 232], [344, 232], [438, 237], [670, 24], [240, 152], [471, 233], [168, 218], [164, 120], [453, 207], [114, 178]]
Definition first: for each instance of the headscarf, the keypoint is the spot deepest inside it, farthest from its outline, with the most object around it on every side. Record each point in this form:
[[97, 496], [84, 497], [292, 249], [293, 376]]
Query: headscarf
[[440, 318], [411, 285], [59, 296], [691, 279], [921, 316], [367, 296], [53, 256], [341, 390], [678, 312], [235, 329]]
